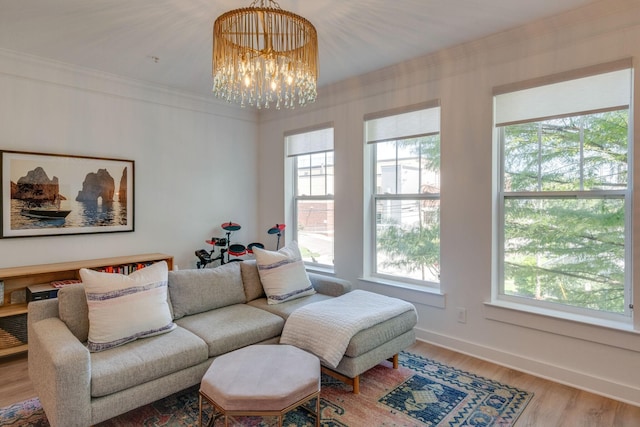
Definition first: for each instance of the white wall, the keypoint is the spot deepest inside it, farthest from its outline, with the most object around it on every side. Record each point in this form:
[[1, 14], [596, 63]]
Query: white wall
[[195, 159], [462, 78]]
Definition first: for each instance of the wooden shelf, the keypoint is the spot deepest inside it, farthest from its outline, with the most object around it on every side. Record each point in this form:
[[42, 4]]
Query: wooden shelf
[[17, 279], [30, 270], [13, 350], [13, 309]]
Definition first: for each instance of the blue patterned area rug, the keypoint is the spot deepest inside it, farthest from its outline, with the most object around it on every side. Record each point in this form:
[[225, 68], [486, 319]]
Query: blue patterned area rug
[[422, 392], [441, 395]]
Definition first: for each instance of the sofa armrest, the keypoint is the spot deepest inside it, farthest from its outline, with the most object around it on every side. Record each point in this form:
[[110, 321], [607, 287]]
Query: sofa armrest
[[60, 371], [331, 286], [42, 309]]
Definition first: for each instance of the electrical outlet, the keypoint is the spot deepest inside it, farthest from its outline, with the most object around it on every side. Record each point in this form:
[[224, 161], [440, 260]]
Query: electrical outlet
[[462, 315]]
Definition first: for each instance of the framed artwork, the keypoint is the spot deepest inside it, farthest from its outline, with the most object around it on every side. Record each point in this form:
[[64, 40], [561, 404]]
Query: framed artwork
[[52, 194]]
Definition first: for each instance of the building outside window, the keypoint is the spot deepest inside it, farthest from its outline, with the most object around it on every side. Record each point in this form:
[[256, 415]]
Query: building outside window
[[404, 153], [565, 197], [310, 156]]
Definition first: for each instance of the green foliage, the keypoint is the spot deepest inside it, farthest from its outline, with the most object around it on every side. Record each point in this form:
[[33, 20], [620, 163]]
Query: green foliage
[[568, 249], [415, 247], [412, 249]]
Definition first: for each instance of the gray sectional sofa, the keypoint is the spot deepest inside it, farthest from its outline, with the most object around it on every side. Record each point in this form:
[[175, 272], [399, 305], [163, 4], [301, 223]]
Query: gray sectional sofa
[[216, 311]]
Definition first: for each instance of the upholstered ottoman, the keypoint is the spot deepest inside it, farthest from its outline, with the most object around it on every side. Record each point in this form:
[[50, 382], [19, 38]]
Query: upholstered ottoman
[[261, 380]]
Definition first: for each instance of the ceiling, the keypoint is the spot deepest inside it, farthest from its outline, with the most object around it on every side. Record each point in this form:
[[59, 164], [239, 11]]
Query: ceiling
[[168, 42]]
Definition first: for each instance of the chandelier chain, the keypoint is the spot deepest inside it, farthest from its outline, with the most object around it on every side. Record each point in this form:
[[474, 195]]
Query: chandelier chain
[[262, 4]]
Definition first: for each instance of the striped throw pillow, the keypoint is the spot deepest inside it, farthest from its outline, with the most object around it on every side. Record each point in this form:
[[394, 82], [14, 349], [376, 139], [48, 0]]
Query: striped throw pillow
[[124, 308], [283, 274]]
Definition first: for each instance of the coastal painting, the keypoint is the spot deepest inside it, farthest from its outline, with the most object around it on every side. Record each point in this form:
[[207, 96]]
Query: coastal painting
[[53, 194]]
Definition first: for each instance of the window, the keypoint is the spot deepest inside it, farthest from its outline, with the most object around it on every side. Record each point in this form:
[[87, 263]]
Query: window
[[564, 196], [310, 155], [404, 153]]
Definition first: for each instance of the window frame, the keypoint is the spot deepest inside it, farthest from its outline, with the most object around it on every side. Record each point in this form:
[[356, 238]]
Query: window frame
[[571, 312], [291, 183], [371, 253]]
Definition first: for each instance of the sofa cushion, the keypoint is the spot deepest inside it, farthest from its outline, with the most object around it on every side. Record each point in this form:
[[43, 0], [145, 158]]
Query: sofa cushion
[[375, 336], [144, 360], [198, 290], [251, 280], [232, 327], [283, 274], [124, 308], [73, 310], [286, 308]]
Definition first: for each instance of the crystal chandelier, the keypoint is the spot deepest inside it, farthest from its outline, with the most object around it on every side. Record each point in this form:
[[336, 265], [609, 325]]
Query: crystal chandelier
[[263, 55]]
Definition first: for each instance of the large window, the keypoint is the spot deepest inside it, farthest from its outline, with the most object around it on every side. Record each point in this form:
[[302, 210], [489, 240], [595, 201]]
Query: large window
[[310, 155], [404, 153], [565, 199]]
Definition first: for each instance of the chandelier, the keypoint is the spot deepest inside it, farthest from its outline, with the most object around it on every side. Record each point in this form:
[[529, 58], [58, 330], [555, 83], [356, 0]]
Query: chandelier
[[263, 55]]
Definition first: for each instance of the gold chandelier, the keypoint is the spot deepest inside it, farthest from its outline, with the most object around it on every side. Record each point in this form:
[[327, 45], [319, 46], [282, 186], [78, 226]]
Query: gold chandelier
[[263, 55]]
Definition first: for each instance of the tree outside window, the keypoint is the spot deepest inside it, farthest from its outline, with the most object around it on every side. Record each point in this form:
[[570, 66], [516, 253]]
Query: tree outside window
[[565, 200], [405, 194], [565, 182], [408, 208]]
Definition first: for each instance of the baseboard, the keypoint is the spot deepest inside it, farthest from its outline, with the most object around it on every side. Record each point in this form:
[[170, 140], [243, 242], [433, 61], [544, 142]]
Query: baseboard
[[579, 380]]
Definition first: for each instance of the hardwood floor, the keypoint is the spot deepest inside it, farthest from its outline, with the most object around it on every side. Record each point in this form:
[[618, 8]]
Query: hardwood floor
[[553, 404], [14, 380]]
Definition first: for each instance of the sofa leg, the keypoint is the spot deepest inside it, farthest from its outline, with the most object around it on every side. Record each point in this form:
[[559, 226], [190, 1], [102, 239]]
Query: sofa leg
[[394, 360], [356, 385], [354, 382]]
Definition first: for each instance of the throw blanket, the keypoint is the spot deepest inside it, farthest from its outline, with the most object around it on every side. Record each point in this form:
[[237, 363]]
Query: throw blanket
[[325, 328]]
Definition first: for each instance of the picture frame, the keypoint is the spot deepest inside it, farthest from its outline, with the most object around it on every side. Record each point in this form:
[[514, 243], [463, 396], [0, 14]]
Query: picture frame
[[54, 194]]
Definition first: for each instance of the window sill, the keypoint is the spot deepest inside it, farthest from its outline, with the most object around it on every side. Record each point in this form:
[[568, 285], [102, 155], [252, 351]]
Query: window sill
[[320, 270], [408, 292], [607, 332]]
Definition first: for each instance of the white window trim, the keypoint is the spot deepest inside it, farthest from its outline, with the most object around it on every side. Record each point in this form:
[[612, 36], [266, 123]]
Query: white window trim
[[621, 333], [291, 191], [416, 288], [617, 334], [419, 294]]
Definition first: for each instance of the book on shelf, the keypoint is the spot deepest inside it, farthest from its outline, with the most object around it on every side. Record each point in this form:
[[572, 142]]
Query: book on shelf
[[62, 283], [125, 268]]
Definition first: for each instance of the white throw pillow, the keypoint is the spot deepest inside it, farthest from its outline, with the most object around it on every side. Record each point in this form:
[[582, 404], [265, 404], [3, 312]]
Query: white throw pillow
[[125, 308], [282, 274]]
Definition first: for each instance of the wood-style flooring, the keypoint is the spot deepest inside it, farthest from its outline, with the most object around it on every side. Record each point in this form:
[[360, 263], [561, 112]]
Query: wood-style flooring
[[553, 405]]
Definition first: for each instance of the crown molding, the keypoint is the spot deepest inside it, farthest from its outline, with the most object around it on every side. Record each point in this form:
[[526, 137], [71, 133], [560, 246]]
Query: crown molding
[[29, 67]]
